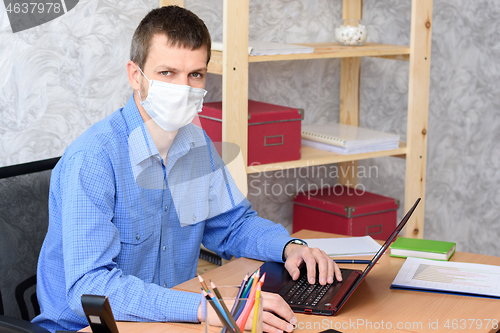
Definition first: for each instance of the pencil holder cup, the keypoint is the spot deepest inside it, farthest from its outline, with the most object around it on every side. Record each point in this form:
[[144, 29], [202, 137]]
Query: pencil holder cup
[[223, 313]]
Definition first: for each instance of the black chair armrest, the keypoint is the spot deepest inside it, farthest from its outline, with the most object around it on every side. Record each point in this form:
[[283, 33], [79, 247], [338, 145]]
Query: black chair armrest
[[15, 325]]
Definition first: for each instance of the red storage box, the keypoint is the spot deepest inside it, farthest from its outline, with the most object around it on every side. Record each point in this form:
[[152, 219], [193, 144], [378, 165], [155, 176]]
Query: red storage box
[[273, 130], [344, 210]]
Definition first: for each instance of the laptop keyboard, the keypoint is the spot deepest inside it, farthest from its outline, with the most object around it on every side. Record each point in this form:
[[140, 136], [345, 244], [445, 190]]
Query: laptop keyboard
[[301, 292]]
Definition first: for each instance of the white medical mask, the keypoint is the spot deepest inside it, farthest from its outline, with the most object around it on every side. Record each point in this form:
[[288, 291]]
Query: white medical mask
[[172, 106]]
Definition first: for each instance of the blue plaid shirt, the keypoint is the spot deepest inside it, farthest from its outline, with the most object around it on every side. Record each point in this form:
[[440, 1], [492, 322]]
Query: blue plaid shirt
[[126, 225]]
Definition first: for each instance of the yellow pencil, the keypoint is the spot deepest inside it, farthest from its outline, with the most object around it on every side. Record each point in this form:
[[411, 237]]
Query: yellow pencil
[[250, 302], [256, 309]]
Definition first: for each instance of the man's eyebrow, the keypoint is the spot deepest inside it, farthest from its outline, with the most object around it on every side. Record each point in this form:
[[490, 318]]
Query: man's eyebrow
[[203, 69], [163, 68]]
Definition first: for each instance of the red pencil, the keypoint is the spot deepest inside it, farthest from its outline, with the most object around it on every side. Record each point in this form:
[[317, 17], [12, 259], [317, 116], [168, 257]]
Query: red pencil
[[242, 320]]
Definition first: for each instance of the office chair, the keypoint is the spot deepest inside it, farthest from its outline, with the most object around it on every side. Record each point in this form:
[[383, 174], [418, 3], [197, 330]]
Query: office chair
[[15, 325], [27, 302], [1, 304], [23, 224]]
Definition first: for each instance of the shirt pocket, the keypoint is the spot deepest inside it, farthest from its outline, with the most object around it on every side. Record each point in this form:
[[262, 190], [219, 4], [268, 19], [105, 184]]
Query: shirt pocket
[[139, 239], [137, 231]]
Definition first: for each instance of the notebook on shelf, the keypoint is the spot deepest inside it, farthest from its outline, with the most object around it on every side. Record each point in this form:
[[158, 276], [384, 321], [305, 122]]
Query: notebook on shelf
[[317, 299], [258, 47], [347, 139]]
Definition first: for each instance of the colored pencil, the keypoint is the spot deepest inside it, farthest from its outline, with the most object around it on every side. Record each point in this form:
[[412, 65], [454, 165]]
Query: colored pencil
[[218, 310], [202, 282], [245, 295], [246, 291], [256, 279], [243, 284], [256, 307], [217, 303], [238, 298], [242, 319], [224, 307], [262, 279]]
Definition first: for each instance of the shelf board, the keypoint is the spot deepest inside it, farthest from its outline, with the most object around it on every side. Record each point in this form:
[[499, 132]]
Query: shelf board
[[335, 50], [323, 51], [312, 156]]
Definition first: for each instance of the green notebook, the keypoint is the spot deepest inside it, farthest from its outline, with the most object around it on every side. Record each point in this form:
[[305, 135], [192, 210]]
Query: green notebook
[[422, 248]]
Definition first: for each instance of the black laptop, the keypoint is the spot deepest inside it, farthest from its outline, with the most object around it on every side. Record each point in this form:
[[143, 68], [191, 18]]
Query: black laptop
[[315, 298]]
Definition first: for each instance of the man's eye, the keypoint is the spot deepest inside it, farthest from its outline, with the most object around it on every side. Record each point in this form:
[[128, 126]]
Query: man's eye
[[166, 73], [196, 75]]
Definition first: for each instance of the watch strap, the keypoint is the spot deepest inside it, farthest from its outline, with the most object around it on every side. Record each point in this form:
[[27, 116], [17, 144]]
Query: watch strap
[[292, 241]]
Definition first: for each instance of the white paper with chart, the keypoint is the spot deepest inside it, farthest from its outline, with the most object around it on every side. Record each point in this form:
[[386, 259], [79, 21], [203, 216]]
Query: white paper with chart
[[449, 276]]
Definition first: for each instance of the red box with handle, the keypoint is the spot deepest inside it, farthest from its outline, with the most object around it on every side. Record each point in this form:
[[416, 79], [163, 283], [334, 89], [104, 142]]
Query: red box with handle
[[347, 211], [273, 130]]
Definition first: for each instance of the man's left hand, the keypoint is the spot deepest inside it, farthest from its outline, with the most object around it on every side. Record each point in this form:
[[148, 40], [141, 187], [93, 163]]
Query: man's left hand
[[314, 258]]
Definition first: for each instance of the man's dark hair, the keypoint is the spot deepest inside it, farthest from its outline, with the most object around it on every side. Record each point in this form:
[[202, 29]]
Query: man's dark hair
[[181, 26]]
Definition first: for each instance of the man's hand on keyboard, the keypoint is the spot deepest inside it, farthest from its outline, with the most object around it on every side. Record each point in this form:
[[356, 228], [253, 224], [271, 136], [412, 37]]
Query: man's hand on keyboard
[[296, 254]]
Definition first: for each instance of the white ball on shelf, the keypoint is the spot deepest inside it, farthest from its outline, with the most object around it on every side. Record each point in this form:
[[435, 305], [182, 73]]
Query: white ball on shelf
[[351, 35]]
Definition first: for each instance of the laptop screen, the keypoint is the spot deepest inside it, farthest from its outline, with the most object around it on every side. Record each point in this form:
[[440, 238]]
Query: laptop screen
[[392, 236], [380, 252]]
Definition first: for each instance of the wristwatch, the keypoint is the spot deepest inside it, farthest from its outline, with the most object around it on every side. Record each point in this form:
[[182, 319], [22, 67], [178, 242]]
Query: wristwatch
[[293, 241]]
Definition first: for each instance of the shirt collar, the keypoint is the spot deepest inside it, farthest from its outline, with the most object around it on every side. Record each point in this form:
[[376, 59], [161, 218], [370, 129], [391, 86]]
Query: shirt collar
[[140, 143], [132, 115], [187, 138]]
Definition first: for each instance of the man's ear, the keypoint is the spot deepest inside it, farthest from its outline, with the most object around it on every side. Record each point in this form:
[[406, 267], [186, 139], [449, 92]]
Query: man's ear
[[133, 75]]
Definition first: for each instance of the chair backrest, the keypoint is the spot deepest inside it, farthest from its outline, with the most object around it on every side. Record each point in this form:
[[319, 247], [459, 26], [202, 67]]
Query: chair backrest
[[23, 225]]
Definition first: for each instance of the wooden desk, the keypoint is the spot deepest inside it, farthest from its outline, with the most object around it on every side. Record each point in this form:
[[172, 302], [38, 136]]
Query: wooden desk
[[374, 307]]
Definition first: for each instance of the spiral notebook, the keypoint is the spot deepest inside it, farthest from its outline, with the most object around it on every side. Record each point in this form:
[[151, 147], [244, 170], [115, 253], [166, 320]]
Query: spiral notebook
[[347, 139]]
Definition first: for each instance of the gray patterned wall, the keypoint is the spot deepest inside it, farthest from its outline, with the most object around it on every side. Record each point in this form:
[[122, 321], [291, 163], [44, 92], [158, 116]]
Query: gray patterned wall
[[59, 78]]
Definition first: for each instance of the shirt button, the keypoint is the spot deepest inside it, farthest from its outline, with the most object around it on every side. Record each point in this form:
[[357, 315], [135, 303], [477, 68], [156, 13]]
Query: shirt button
[[194, 218], [165, 285], [166, 207], [138, 237], [164, 248]]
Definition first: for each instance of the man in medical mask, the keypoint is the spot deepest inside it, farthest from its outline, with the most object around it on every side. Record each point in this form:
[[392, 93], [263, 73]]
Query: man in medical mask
[[132, 199]]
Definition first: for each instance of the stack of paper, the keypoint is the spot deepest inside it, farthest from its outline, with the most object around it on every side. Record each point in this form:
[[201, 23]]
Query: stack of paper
[[346, 139], [345, 247], [448, 277], [269, 48]]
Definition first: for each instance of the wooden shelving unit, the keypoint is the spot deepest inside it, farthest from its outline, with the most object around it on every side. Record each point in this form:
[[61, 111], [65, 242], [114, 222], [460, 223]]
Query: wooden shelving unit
[[323, 51], [232, 64], [311, 156]]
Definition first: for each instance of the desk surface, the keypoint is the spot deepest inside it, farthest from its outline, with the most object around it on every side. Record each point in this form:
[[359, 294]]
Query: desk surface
[[374, 307]]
